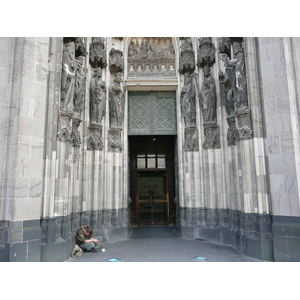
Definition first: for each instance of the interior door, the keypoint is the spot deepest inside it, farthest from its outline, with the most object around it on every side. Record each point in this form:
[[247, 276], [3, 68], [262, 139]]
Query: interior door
[[153, 199]]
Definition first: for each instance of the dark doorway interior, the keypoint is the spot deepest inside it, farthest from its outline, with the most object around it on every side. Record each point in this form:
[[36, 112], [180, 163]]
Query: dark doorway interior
[[152, 180]]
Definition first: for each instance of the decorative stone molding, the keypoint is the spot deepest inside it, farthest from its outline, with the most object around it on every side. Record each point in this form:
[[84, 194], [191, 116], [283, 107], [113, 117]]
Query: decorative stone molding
[[116, 61], [114, 140], [80, 49], [98, 53], [191, 140], [187, 57], [94, 141], [212, 136], [65, 128], [206, 52]]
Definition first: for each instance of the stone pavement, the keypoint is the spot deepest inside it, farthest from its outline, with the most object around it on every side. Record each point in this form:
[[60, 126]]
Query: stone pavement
[[163, 244]]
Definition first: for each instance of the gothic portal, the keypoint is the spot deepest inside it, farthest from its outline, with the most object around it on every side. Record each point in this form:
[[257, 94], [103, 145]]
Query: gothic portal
[[115, 132]]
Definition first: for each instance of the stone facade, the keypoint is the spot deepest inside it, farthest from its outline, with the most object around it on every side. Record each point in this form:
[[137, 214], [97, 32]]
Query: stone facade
[[65, 132]]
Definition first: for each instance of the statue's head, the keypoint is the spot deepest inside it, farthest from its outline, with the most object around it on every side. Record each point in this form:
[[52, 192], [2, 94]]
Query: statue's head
[[206, 71], [236, 47]]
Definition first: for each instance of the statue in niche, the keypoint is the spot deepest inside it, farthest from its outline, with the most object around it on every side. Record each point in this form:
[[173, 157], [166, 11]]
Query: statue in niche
[[208, 97], [132, 50], [239, 79], [226, 90], [97, 98], [116, 103], [69, 68], [79, 91], [206, 52], [98, 53], [186, 59], [188, 100], [151, 51]]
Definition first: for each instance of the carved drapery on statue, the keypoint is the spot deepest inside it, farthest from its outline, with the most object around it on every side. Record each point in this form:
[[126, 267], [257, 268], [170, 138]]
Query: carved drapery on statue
[[206, 52], [116, 103], [234, 91], [188, 100], [208, 105], [97, 98], [98, 53], [187, 57], [150, 57]]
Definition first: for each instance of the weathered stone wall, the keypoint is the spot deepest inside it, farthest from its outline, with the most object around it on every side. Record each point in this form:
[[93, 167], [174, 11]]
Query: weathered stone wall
[[279, 64]]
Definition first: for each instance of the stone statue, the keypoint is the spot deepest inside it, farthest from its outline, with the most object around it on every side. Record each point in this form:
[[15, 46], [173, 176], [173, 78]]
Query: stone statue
[[97, 98], [188, 100], [98, 53], [143, 50], [69, 68], [116, 103], [208, 97], [206, 52], [80, 47], [239, 81], [224, 45], [226, 90], [79, 92]]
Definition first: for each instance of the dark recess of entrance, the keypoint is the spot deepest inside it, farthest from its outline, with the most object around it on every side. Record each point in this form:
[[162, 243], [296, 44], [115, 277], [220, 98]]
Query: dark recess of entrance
[[152, 180]]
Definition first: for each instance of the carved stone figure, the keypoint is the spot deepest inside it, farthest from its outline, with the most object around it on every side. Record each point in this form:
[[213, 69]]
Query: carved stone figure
[[208, 97], [239, 82], [114, 140], [69, 68], [94, 141], [79, 92], [191, 140], [132, 50], [97, 97], [80, 49], [212, 136], [98, 53], [116, 61], [188, 100], [206, 52], [116, 103], [75, 135], [187, 57], [226, 90]]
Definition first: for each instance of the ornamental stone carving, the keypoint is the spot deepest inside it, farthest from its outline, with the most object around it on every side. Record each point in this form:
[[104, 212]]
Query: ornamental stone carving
[[79, 42], [239, 78], [188, 100], [116, 103], [75, 135], [69, 68], [97, 98], [212, 136], [116, 61], [114, 140], [206, 52], [208, 98], [65, 127], [98, 53], [187, 57], [191, 140], [156, 55], [80, 87], [224, 45], [94, 141]]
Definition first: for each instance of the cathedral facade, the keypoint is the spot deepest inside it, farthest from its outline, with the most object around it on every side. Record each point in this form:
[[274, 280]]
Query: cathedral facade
[[201, 133]]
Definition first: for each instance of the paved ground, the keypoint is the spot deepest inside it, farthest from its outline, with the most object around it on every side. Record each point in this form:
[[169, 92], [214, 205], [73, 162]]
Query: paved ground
[[163, 244]]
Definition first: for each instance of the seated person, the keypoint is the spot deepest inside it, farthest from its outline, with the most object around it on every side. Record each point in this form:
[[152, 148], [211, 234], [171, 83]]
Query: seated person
[[85, 240]]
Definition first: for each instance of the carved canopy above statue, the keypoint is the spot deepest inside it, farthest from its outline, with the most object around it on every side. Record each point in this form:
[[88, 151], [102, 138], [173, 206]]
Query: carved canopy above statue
[[151, 57]]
